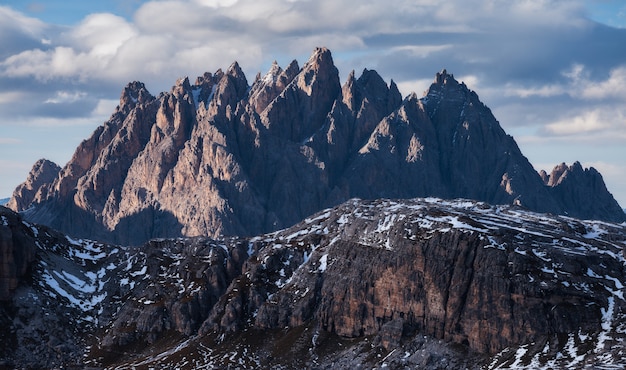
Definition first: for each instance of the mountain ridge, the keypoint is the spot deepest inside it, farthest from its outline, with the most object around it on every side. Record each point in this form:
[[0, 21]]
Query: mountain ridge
[[418, 283], [222, 157]]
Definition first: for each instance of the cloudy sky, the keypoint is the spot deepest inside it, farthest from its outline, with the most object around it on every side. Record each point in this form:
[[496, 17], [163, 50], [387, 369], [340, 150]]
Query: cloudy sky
[[552, 71]]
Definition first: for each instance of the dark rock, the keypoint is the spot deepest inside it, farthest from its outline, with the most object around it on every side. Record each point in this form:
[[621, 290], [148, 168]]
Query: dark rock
[[17, 251], [582, 193], [421, 283]]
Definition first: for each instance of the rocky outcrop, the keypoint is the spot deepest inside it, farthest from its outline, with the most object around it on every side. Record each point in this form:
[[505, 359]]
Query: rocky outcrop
[[468, 274], [190, 276], [220, 157], [17, 249], [40, 177], [38, 329]]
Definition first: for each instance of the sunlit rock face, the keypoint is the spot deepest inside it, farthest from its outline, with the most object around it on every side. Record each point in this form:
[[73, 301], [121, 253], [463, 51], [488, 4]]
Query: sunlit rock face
[[222, 157]]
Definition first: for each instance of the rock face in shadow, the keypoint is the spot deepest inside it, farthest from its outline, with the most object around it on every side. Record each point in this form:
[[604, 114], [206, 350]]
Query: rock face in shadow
[[581, 192], [220, 157], [467, 273], [17, 251], [419, 283]]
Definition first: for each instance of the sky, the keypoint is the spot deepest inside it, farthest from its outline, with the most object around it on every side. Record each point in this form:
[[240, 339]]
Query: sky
[[553, 72]]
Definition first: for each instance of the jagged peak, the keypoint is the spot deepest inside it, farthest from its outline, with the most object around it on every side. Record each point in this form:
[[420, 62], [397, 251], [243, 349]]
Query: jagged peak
[[235, 70], [371, 78], [445, 80], [351, 76], [272, 74], [321, 58], [43, 162], [411, 97], [183, 81], [275, 68], [393, 88], [293, 68], [207, 76], [43, 167], [443, 76], [561, 171], [181, 86], [134, 92]]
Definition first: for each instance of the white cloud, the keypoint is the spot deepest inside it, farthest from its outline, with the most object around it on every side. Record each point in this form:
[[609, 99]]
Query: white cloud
[[62, 97], [587, 122], [541, 91], [12, 22], [613, 87], [577, 84], [421, 51], [216, 3], [101, 34]]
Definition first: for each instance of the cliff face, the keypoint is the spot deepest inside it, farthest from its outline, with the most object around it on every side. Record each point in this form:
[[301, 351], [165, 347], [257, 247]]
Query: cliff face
[[17, 249], [221, 157], [414, 283]]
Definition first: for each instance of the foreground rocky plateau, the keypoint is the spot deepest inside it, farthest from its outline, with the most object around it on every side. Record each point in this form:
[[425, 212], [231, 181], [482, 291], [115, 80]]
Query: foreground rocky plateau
[[424, 282], [222, 157]]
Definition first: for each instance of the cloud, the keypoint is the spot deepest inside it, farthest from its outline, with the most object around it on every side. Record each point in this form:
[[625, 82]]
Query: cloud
[[62, 97], [101, 34], [18, 32], [578, 84], [585, 123], [216, 3]]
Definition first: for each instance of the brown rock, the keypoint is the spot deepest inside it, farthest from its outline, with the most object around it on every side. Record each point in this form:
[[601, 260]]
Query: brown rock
[[222, 158], [36, 186]]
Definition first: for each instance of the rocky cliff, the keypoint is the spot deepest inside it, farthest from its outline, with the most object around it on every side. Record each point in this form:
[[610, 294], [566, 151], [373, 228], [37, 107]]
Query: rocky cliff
[[420, 283], [221, 157]]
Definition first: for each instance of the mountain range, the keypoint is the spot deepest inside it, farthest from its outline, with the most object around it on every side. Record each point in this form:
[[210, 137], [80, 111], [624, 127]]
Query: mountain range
[[222, 157], [300, 223]]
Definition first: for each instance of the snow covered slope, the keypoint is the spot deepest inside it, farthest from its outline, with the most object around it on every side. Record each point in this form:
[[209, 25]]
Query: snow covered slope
[[422, 283]]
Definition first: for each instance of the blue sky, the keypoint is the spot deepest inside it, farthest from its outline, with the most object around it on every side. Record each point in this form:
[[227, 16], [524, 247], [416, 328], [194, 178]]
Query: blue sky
[[552, 71]]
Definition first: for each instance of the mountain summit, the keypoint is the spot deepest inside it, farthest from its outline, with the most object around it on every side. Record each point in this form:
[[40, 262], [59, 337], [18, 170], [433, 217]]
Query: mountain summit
[[222, 157]]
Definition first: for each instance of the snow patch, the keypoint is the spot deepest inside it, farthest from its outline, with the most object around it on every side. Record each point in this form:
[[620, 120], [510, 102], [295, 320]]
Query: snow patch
[[323, 263]]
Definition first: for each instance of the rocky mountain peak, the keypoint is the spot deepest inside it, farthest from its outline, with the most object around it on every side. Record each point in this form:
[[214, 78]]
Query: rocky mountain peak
[[134, 93], [321, 58], [319, 70], [301, 108], [274, 71], [182, 86], [238, 79], [445, 86], [561, 171], [41, 175], [579, 189], [266, 89]]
